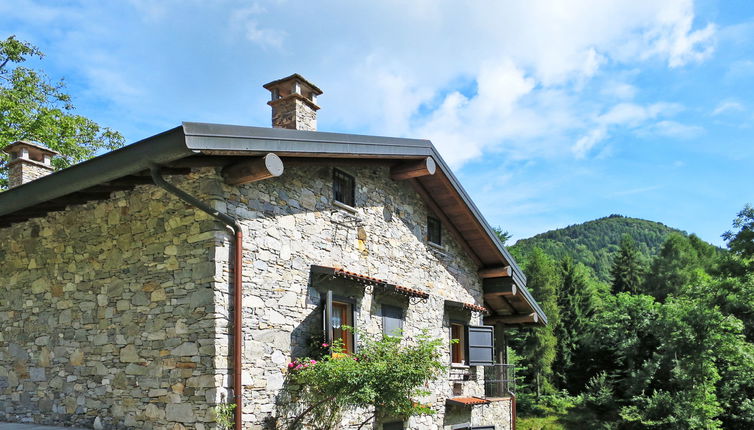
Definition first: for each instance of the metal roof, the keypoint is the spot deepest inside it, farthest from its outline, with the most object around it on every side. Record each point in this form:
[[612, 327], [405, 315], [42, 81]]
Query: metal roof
[[196, 140]]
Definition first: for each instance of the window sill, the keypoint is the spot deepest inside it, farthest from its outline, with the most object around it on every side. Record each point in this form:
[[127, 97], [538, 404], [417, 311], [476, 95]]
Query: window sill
[[344, 206], [459, 366], [436, 246]]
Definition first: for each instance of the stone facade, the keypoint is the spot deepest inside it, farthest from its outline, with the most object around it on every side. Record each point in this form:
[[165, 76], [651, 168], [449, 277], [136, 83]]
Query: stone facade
[[108, 314], [294, 112], [291, 223], [116, 314], [21, 171]]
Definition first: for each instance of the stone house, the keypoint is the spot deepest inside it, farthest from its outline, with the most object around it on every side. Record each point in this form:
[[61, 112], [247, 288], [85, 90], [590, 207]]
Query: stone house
[[144, 286]]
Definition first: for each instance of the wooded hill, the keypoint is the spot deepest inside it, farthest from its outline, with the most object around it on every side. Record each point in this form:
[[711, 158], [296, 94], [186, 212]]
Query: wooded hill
[[664, 340], [594, 243]]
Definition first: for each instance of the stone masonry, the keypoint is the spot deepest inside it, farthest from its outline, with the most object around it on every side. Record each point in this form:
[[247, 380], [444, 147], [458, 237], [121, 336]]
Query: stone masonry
[[108, 315], [116, 314]]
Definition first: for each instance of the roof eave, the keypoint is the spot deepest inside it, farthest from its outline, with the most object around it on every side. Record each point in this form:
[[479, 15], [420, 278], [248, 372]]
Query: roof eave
[[159, 149]]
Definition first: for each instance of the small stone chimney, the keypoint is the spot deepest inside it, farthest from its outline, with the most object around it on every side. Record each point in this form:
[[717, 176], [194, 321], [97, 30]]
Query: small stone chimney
[[294, 103], [28, 161]]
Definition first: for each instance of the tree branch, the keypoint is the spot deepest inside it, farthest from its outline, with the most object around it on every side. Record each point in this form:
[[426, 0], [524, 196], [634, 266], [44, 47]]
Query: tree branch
[[307, 410], [365, 422]]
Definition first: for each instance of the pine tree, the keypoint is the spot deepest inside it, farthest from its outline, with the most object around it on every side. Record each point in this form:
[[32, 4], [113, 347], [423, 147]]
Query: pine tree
[[576, 303], [540, 344], [627, 272]]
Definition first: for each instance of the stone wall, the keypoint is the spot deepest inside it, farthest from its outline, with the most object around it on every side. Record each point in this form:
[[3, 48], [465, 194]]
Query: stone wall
[[107, 314], [21, 171], [116, 314], [291, 223], [294, 112]]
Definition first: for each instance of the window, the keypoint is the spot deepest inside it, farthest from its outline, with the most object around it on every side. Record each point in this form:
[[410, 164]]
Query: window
[[337, 314], [475, 345], [343, 187], [342, 316], [398, 425], [457, 349], [434, 230], [392, 320]]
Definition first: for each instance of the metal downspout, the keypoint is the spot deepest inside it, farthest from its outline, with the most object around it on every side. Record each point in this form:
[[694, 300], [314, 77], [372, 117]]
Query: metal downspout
[[237, 279]]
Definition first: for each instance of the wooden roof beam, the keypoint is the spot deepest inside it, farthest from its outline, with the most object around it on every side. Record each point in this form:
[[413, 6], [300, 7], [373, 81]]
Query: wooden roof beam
[[253, 169], [531, 318], [496, 272], [413, 169]]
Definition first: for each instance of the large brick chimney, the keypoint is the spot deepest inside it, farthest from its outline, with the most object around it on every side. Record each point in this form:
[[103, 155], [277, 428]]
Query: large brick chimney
[[294, 103], [28, 161]]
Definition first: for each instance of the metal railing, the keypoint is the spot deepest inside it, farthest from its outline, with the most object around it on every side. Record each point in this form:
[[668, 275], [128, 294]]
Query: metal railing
[[499, 380]]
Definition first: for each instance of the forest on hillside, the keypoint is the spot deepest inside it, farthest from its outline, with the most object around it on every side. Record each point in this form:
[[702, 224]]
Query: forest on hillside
[[667, 342], [593, 243]]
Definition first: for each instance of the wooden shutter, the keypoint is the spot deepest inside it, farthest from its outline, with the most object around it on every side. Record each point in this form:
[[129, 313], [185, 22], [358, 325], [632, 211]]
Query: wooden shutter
[[392, 320], [480, 342], [327, 316]]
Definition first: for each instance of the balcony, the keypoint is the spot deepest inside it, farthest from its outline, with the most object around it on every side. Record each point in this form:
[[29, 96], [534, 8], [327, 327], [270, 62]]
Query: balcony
[[499, 380]]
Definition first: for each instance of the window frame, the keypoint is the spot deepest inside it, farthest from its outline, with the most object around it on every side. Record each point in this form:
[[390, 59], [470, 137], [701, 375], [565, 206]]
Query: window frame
[[349, 341], [338, 188], [458, 348], [438, 230], [385, 317]]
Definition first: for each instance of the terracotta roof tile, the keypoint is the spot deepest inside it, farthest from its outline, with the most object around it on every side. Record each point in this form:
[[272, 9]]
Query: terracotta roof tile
[[369, 280], [468, 401]]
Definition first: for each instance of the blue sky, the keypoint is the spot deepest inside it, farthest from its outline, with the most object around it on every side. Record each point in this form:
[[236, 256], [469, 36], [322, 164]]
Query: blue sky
[[551, 113]]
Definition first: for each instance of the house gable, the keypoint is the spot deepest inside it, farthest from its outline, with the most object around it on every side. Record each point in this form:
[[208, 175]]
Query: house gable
[[201, 145]]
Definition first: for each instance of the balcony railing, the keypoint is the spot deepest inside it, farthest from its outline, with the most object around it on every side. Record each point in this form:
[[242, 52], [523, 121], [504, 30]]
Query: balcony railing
[[499, 380]]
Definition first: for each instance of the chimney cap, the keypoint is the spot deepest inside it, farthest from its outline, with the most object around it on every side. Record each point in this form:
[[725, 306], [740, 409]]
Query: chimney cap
[[293, 77], [37, 146]]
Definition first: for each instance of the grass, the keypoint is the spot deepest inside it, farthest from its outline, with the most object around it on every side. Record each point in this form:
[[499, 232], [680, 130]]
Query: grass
[[551, 422]]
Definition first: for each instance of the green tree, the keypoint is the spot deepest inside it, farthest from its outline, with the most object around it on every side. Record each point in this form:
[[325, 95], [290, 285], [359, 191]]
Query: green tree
[[540, 344], [676, 266], [627, 272], [503, 235], [32, 107], [577, 300]]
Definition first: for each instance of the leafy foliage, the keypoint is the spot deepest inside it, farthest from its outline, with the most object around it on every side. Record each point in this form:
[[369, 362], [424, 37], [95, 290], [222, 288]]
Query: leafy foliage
[[387, 374], [540, 345], [670, 346], [594, 243], [34, 108], [224, 415]]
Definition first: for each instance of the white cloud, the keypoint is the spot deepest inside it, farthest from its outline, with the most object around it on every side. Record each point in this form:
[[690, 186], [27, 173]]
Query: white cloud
[[727, 106], [630, 116], [507, 77], [675, 129], [247, 21]]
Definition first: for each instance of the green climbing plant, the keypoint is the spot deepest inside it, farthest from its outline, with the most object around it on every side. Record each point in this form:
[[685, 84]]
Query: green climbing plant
[[224, 415], [387, 375]]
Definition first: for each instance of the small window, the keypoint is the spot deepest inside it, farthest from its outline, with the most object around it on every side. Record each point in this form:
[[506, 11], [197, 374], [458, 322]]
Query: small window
[[392, 320], [434, 230], [398, 425], [458, 349], [343, 187], [337, 314]]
